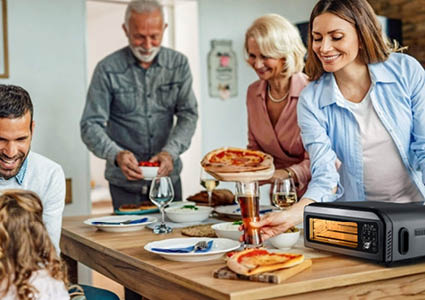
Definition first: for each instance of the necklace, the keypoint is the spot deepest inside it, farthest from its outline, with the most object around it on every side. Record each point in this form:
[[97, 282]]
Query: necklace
[[273, 99]]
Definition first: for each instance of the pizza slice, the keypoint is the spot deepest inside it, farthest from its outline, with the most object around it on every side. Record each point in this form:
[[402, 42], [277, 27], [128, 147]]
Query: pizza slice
[[230, 160], [259, 260]]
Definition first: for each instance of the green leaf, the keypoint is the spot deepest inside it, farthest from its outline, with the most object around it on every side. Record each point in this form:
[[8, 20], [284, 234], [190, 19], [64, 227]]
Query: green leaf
[[237, 223], [189, 207]]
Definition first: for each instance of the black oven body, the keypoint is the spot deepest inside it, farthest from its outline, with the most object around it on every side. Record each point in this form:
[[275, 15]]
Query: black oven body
[[380, 231]]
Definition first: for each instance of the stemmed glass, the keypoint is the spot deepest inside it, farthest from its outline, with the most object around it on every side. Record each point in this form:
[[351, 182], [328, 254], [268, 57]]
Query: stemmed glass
[[209, 183], [284, 193], [161, 194]]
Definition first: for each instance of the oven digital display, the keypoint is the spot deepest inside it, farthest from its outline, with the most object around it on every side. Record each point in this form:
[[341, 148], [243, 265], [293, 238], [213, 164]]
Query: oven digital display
[[339, 233]]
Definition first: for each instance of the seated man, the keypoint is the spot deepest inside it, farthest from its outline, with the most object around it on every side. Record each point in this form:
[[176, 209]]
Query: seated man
[[21, 168]]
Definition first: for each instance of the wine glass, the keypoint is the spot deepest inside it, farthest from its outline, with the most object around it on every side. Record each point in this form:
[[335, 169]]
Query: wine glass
[[209, 183], [161, 194], [284, 193]]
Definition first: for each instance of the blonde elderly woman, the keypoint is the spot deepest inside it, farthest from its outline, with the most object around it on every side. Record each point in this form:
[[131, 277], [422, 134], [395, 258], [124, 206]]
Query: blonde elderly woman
[[275, 51]]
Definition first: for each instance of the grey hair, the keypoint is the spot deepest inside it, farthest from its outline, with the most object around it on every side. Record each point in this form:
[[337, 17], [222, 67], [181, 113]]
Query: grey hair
[[141, 6]]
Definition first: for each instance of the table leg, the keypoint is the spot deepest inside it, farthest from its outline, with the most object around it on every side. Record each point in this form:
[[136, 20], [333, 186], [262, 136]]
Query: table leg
[[72, 268]]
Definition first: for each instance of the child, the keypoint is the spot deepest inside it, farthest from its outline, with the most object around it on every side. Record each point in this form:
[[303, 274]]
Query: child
[[29, 266]]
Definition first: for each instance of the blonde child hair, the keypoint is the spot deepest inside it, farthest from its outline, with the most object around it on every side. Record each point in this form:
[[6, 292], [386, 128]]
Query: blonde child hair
[[25, 246]]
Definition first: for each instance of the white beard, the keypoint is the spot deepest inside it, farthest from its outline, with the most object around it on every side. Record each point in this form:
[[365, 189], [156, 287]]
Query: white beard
[[137, 51]]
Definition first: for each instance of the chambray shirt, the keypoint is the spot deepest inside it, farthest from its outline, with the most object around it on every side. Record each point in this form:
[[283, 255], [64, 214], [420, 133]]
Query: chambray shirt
[[131, 108], [329, 129], [47, 179]]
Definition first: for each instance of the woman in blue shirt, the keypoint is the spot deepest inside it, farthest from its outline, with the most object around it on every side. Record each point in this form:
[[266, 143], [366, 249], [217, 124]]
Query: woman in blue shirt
[[362, 118]]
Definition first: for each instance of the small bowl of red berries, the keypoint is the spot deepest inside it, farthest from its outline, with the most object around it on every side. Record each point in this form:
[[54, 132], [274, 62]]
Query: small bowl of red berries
[[149, 169]]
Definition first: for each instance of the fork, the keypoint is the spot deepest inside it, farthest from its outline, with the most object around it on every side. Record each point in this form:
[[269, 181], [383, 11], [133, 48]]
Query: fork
[[201, 245]]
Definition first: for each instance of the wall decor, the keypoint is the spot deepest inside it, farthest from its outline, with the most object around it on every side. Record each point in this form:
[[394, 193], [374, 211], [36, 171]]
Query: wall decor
[[4, 54], [222, 70]]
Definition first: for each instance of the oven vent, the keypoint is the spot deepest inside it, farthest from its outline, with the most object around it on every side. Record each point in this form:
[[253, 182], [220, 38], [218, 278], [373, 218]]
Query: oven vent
[[419, 231], [389, 245]]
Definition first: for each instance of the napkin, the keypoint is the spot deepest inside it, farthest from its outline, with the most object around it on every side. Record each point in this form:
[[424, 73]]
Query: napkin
[[184, 249], [128, 222]]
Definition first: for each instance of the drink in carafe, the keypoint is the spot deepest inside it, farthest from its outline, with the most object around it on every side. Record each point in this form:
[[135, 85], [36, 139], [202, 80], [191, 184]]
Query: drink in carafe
[[247, 194], [283, 199], [250, 211]]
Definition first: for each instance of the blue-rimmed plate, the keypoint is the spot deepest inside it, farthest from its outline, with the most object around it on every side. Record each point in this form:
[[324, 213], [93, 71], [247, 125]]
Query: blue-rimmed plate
[[137, 212], [102, 223], [219, 247], [152, 210]]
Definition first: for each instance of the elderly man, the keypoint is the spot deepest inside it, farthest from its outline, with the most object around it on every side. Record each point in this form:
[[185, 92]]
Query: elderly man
[[133, 97], [21, 168]]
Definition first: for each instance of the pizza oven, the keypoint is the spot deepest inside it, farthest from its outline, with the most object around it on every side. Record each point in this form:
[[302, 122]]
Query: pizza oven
[[380, 231]]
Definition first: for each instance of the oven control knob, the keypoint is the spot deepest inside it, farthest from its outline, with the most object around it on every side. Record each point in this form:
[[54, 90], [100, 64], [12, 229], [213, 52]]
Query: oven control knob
[[366, 245]]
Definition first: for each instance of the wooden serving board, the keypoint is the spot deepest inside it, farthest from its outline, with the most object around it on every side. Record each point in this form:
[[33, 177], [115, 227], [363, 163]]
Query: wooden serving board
[[270, 277], [244, 176]]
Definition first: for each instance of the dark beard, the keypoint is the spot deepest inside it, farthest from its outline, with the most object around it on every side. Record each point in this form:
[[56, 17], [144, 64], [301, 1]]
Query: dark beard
[[17, 169]]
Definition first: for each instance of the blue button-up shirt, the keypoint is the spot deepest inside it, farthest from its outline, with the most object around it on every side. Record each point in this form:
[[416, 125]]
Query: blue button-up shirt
[[329, 130]]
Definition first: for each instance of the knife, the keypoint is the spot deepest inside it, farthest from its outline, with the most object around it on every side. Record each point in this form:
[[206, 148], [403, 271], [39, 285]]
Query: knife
[[126, 222]]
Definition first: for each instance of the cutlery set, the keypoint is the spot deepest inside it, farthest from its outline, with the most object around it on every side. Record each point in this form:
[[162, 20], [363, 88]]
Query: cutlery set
[[126, 222]]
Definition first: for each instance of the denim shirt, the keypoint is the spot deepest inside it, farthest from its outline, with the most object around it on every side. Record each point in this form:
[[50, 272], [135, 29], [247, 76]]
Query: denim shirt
[[131, 108], [329, 129]]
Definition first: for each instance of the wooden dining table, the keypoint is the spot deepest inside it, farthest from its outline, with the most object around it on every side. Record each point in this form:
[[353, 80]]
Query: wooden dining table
[[121, 257]]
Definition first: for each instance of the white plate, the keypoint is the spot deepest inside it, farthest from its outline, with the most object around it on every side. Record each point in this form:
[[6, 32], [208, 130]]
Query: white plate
[[234, 210], [219, 247], [121, 227]]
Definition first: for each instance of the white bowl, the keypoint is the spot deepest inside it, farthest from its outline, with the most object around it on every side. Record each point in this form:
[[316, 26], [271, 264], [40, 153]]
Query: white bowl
[[285, 240], [227, 230], [187, 215], [149, 173]]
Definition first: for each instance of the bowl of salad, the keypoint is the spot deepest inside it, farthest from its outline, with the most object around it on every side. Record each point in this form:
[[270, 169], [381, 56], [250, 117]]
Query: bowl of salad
[[229, 230], [188, 213]]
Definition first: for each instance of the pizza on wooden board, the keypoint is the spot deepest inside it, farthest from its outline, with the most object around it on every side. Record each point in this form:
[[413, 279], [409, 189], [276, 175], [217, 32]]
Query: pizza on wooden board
[[259, 260], [136, 207], [233, 160]]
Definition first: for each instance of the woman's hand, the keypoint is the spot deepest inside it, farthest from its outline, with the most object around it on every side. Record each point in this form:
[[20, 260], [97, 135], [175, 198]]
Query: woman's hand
[[278, 222]]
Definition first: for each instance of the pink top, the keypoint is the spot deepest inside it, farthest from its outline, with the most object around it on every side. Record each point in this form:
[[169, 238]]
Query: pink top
[[283, 141]]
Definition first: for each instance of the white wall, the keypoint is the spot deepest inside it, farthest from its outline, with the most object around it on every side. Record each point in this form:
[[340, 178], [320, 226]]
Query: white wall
[[186, 40], [47, 53]]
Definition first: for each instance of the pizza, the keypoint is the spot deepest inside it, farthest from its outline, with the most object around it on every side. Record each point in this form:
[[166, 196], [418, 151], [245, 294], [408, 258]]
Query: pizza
[[233, 160], [136, 207], [258, 260]]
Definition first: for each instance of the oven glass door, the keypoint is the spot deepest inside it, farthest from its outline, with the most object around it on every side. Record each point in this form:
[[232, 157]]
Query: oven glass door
[[340, 233]]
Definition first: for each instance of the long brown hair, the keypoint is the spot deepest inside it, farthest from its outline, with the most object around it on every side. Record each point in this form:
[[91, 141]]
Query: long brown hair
[[25, 246], [374, 46]]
